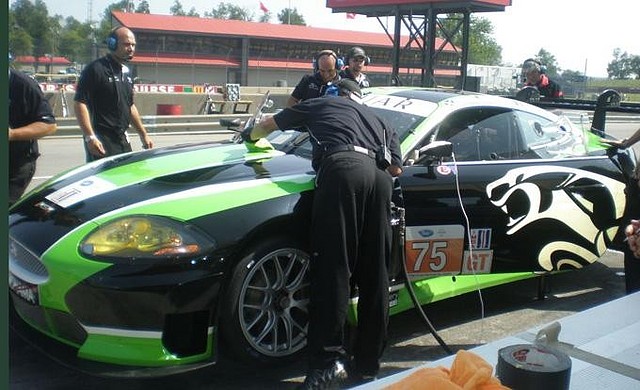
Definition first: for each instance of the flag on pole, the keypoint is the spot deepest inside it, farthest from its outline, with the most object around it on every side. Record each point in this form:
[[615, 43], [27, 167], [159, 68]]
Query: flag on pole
[[351, 15], [263, 8]]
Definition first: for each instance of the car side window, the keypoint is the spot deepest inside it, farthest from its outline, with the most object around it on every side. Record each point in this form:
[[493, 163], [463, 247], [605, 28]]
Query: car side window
[[533, 129], [482, 134], [498, 137]]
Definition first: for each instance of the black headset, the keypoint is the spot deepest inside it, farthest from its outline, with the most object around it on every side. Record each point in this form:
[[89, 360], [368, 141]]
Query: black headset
[[331, 53], [112, 39], [538, 65]]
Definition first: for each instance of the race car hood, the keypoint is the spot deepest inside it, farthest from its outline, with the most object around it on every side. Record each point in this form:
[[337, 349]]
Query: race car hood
[[182, 182]]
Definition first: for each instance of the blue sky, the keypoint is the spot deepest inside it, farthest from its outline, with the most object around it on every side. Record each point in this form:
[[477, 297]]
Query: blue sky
[[581, 35]]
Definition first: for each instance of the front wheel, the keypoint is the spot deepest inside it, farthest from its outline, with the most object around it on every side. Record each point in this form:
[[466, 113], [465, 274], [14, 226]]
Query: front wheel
[[265, 318]]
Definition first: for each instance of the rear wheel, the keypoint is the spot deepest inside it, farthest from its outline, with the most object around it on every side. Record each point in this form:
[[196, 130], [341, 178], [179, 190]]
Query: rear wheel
[[264, 317]]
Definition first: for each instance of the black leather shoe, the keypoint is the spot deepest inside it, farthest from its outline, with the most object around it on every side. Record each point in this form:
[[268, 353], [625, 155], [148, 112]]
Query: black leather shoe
[[356, 377], [327, 378]]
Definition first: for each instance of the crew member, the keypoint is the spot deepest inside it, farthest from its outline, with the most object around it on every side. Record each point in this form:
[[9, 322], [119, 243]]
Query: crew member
[[104, 103], [30, 118], [350, 228], [326, 65], [357, 60], [534, 76]]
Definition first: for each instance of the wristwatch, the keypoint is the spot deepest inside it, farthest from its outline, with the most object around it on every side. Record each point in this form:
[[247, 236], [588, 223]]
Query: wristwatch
[[89, 138]]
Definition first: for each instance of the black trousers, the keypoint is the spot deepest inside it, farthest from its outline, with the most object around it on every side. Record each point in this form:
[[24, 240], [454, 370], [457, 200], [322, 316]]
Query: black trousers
[[114, 142], [631, 263], [351, 238], [19, 179]]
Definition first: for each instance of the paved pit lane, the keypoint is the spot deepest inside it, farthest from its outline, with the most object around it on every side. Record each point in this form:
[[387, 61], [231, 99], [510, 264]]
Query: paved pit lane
[[460, 323]]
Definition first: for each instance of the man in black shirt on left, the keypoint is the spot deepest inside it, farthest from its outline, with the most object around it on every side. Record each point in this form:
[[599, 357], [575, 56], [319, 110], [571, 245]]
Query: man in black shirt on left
[[30, 118], [104, 100]]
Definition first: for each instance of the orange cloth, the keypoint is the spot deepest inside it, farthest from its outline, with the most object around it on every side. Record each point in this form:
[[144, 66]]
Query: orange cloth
[[468, 371]]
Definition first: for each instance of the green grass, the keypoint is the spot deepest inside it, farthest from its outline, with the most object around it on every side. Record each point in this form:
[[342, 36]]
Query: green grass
[[630, 89]]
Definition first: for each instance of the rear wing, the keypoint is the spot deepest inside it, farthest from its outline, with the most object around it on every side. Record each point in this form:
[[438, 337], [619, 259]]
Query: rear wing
[[608, 101]]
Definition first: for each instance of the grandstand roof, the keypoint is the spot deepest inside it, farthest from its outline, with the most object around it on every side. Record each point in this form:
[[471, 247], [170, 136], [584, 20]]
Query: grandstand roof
[[239, 29]]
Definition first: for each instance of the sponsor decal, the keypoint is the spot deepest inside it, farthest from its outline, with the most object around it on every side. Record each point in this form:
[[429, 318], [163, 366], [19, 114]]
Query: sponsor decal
[[54, 87], [393, 298], [81, 190], [480, 238], [432, 250], [158, 88], [477, 262], [444, 170]]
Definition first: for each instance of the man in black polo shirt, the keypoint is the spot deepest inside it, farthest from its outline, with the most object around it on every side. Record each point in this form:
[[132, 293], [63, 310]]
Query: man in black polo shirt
[[104, 100], [326, 65], [350, 228], [30, 118]]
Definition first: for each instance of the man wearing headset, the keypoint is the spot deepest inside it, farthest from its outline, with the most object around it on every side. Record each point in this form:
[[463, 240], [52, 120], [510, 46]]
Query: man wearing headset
[[350, 228], [326, 65], [104, 103], [534, 76], [356, 59]]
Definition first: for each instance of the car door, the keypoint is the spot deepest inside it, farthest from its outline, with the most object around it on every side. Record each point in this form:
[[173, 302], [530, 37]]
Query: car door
[[506, 204]]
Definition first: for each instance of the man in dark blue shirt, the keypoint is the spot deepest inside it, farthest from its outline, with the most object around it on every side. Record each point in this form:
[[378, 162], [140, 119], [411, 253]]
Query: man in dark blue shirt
[[30, 118], [350, 228]]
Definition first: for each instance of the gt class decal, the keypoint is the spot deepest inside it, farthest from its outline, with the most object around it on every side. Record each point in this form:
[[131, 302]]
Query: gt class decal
[[432, 250], [558, 205]]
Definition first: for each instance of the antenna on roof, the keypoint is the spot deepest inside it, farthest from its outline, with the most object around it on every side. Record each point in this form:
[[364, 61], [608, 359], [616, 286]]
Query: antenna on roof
[[90, 11]]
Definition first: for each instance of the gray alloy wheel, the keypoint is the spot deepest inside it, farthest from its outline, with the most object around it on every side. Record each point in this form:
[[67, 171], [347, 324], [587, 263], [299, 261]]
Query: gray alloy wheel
[[269, 319]]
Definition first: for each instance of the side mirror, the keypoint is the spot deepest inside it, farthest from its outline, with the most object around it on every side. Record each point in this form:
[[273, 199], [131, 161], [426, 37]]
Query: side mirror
[[436, 150]]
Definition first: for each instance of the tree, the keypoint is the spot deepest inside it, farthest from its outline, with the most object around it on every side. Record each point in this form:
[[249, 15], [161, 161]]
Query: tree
[[143, 7], [230, 11], [265, 17], [549, 61], [73, 43], [291, 16], [483, 48], [573, 76], [20, 42], [34, 20], [623, 65], [176, 9]]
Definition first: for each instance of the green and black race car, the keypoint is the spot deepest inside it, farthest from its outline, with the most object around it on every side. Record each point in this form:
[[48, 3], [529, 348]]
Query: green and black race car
[[154, 260]]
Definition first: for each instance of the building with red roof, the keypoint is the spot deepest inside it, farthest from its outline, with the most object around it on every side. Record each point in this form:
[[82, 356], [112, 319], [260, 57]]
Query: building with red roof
[[193, 50], [43, 64]]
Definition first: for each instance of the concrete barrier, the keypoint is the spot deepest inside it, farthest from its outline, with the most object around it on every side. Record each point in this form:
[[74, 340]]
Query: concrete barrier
[[191, 103], [68, 127]]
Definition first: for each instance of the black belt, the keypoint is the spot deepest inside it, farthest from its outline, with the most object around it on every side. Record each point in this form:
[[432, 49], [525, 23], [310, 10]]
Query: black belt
[[349, 148]]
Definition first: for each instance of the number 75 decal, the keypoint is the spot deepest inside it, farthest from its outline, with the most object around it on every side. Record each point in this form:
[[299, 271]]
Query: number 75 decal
[[434, 249]]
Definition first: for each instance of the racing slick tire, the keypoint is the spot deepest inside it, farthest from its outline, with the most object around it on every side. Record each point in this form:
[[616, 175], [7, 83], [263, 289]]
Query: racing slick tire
[[264, 318]]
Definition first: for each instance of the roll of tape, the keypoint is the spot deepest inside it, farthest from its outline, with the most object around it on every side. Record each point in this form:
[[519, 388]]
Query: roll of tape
[[531, 367]]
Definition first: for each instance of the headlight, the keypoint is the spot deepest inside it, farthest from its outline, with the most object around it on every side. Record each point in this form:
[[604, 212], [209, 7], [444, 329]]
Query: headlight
[[145, 237]]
